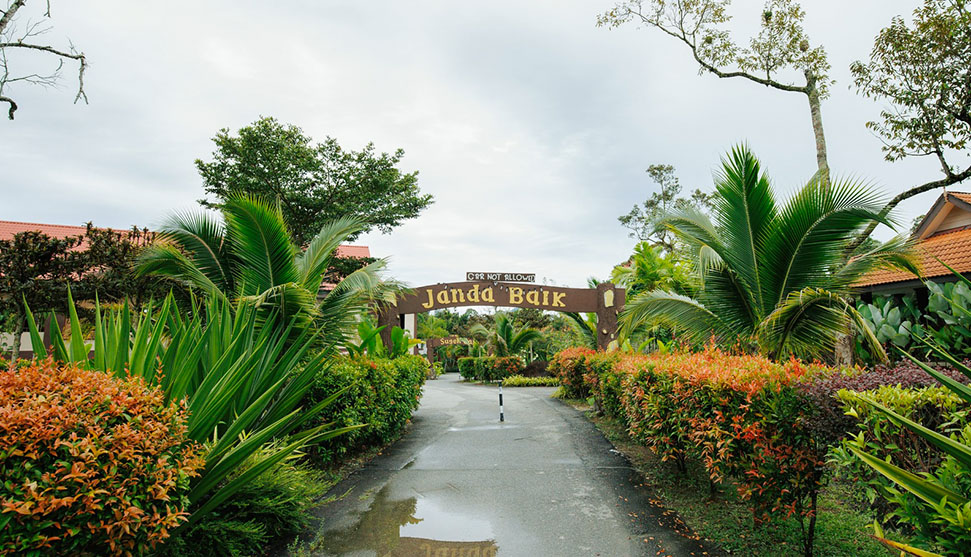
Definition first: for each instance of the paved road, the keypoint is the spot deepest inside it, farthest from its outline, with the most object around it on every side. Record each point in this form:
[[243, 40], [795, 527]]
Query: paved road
[[460, 484]]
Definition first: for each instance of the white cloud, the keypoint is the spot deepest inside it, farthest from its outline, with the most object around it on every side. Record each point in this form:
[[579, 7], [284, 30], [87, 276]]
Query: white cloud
[[530, 126]]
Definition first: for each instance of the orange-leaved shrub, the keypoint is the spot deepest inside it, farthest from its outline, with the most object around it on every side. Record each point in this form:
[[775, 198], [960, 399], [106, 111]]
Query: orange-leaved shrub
[[91, 464], [569, 366], [744, 417]]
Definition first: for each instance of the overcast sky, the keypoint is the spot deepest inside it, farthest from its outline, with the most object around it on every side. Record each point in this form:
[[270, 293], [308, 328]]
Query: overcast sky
[[529, 125]]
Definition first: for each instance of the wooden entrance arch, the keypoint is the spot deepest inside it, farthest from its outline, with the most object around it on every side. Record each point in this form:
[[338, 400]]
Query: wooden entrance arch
[[606, 300]]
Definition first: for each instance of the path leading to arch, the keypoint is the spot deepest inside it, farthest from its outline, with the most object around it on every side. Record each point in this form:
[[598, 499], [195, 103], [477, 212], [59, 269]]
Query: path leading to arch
[[460, 484]]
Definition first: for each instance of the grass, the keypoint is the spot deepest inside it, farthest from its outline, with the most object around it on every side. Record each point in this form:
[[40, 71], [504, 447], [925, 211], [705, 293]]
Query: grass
[[841, 529]]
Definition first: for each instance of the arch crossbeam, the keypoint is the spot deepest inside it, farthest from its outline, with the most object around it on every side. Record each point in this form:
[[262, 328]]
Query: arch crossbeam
[[606, 300]]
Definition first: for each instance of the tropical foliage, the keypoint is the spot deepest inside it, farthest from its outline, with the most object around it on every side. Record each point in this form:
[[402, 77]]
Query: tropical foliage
[[503, 338], [243, 374], [249, 256], [772, 277]]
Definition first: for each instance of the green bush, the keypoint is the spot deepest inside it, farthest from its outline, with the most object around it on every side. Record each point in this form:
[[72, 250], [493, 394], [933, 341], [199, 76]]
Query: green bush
[[521, 381], [435, 370], [490, 368], [380, 395], [886, 439], [466, 367], [276, 504]]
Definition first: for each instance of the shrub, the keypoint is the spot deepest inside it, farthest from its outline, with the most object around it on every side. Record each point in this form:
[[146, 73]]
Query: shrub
[[742, 416], [569, 366], [91, 464], [436, 369], [380, 395], [937, 503], [523, 381], [537, 368], [603, 382], [933, 407], [504, 367], [277, 503], [490, 368], [466, 367]]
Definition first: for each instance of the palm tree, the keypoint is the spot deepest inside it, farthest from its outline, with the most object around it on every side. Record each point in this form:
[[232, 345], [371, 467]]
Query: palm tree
[[249, 256], [772, 277], [503, 337]]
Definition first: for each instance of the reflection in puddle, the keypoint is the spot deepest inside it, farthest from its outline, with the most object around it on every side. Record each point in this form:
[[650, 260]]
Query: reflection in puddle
[[414, 527]]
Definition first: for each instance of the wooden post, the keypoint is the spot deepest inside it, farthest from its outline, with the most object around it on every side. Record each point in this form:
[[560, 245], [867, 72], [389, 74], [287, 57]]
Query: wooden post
[[610, 301], [387, 318]]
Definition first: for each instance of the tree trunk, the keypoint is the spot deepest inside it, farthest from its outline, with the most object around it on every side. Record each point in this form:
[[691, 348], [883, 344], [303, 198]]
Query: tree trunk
[[815, 110], [18, 332]]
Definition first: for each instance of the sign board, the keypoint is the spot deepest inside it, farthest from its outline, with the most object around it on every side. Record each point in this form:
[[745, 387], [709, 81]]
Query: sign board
[[553, 298], [495, 277]]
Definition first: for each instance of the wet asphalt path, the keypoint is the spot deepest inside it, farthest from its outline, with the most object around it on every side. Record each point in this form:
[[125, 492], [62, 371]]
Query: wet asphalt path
[[460, 484]]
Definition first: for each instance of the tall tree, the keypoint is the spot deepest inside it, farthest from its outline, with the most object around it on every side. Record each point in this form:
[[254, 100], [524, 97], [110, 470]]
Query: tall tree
[[315, 183], [772, 276], [924, 73], [781, 47], [20, 36], [643, 219]]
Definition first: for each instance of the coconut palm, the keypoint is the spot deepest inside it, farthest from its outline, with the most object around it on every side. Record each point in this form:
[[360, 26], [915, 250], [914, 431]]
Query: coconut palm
[[504, 338], [249, 256], [773, 276]]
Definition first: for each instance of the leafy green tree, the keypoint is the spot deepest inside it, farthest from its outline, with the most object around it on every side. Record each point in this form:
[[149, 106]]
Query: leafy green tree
[[772, 276], [315, 183], [249, 256], [642, 220], [35, 268], [922, 73], [503, 337], [651, 269], [780, 47]]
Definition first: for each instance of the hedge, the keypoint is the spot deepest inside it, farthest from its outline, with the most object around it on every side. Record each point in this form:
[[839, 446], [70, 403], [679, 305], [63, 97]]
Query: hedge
[[490, 368], [743, 417], [91, 464], [381, 394]]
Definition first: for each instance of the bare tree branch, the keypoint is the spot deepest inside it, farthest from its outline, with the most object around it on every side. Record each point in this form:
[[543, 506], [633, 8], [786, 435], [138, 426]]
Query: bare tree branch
[[947, 181], [11, 11], [20, 40], [13, 106]]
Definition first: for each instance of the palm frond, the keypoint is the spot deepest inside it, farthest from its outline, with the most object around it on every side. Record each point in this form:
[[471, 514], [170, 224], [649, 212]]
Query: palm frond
[[807, 322], [745, 211], [675, 310], [312, 264], [897, 253], [259, 239], [812, 232], [201, 237]]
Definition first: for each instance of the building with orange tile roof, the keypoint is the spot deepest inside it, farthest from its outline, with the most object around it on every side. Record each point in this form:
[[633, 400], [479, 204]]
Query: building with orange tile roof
[[944, 235]]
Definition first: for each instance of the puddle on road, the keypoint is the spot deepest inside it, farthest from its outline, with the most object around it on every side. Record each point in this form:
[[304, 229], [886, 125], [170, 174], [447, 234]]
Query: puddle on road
[[414, 527]]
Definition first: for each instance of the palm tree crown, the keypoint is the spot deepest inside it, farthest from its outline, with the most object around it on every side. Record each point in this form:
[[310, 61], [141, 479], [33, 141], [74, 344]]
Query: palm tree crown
[[249, 256], [504, 338], [772, 276]]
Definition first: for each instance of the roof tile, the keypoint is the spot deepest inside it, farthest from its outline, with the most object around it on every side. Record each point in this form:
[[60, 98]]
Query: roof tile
[[952, 247]]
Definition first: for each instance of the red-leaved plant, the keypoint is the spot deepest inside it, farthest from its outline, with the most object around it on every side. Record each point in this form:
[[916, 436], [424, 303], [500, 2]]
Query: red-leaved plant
[[92, 464]]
